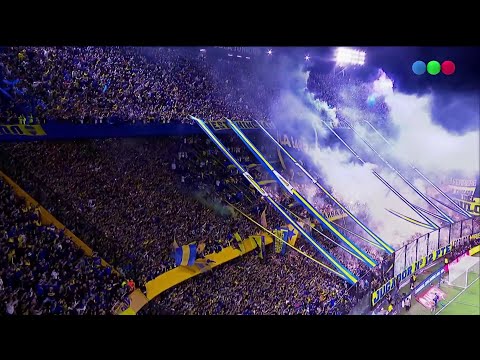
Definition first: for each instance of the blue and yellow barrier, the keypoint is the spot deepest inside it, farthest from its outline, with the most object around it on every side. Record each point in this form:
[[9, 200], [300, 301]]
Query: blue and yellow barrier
[[181, 273]]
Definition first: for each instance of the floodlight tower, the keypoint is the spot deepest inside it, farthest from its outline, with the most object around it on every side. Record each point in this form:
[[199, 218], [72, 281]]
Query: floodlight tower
[[345, 57]]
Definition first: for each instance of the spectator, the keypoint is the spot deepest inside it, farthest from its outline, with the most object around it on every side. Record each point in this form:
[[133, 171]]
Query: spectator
[[42, 271]]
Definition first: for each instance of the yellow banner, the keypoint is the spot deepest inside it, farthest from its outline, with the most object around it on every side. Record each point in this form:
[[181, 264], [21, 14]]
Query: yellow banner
[[463, 189], [474, 250], [266, 182], [250, 166], [129, 311], [263, 218], [335, 215], [280, 157], [475, 236], [137, 301], [22, 130], [181, 273], [279, 246], [462, 182]]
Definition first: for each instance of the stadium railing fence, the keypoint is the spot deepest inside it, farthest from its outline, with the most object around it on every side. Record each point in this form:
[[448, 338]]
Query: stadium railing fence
[[457, 235]]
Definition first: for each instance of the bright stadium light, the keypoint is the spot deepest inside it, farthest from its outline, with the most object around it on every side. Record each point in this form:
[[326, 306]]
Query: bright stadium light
[[307, 57], [345, 56], [269, 52]]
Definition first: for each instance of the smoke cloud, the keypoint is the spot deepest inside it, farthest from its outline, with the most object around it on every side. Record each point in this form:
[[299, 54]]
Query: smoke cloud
[[383, 86], [407, 123], [441, 151]]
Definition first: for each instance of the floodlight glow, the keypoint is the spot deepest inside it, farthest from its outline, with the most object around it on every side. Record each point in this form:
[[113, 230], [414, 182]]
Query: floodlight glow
[[269, 52], [345, 56], [307, 57]]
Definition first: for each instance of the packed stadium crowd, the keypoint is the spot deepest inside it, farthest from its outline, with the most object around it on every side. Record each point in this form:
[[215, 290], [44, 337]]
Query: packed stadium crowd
[[249, 286], [135, 196], [277, 285], [43, 272], [130, 199], [124, 84], [98, 85], [130, 195]]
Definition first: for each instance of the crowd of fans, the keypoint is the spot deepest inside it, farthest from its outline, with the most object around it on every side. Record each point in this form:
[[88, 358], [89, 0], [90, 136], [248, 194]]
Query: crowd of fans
[[135, 196], [43, 272], [124, 84], [131, 194], [129, 199], [137, 84], [281, 286]]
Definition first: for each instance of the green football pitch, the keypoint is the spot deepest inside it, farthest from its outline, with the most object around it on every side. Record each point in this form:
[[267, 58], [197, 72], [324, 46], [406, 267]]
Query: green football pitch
[[464, 301], [458, 301]]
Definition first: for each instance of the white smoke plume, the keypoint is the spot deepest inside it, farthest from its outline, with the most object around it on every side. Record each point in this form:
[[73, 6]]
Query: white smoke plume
[[383, 86], [431, 147], [310, 191], [328, 113], [291, 107], [354, 182]]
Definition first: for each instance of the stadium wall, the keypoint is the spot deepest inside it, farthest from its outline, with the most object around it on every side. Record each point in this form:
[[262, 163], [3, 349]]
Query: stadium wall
[[56, 131], [65, 131], [380, 293]]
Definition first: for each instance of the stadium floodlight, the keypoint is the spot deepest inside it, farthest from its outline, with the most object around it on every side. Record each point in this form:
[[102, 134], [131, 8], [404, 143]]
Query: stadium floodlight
[[346, 56], [307, 57], [269, 52]]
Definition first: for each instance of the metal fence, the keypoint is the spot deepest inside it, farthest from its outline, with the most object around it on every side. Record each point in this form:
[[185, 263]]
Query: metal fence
[[457, 234]]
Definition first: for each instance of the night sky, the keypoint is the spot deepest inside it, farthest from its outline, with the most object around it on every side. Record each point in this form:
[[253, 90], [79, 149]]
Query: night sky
[[397, 63]]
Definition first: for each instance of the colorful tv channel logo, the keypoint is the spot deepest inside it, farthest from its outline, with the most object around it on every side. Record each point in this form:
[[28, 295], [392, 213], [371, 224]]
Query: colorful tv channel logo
[[433, 67]]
